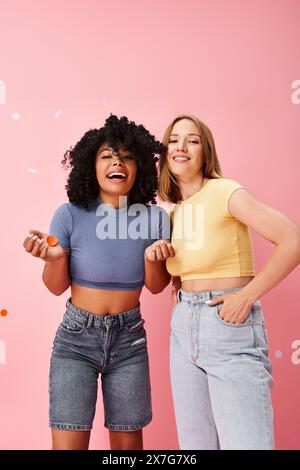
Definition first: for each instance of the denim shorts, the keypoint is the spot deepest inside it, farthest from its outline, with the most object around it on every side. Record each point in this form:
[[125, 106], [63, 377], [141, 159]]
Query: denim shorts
[[114, 346]]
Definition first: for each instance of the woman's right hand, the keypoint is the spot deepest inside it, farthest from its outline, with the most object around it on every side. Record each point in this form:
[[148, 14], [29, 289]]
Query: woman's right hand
[[36, 244]]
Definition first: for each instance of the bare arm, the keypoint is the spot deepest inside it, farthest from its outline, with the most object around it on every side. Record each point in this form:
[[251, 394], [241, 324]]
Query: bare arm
[[56, 275], [275, 227], [156, 274], [278, 229]]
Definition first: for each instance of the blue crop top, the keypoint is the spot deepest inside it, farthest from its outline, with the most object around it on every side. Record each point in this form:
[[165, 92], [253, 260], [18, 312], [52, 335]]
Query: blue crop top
[[107, 245]]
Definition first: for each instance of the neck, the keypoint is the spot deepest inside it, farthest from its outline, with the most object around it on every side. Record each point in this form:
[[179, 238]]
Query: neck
[[113, 199], [190, 187]]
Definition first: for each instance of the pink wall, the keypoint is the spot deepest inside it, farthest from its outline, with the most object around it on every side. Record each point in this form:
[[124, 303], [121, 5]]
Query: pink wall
[[64, 66]]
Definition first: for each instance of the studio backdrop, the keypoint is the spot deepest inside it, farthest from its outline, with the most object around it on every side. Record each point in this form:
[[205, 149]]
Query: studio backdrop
[[64, 67]]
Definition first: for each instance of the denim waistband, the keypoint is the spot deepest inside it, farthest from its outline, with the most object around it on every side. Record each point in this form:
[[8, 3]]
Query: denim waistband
[[202, 296], [88, 318]]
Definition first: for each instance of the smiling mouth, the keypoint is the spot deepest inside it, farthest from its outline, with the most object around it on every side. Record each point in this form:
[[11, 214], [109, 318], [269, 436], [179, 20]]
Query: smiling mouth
[[181, 158], [116, 175]]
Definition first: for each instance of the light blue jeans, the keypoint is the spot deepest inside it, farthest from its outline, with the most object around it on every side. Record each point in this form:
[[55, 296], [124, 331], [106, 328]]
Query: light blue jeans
[[221, 376]]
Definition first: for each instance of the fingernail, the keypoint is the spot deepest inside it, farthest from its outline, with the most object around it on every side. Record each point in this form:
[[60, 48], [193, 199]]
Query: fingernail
[[208, 301]]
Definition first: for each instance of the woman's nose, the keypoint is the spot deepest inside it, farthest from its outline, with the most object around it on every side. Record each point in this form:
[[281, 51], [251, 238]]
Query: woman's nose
[[181, 146], [118, 160]]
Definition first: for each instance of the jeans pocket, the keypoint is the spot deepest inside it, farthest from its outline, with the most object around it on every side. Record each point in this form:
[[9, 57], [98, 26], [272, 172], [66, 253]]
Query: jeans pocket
[[217, 310], [71, 325], [136, 325]]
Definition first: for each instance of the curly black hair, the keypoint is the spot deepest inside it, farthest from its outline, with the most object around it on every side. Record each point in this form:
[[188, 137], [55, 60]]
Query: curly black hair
[[82, 185]]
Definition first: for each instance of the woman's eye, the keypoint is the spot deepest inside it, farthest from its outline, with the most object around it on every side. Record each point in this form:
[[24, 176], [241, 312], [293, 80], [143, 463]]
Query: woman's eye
[[191, 141], [128, 157], [106, 156]]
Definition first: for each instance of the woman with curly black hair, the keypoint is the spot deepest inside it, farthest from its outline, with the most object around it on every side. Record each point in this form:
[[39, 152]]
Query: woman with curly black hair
[[109, 242]]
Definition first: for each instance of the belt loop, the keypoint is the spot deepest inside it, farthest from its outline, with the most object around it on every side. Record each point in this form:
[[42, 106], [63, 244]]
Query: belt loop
[[121, 321], [178, 295], [90, 321]]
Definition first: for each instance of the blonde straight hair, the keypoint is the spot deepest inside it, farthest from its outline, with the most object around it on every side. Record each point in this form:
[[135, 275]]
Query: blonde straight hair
[[168, 187]]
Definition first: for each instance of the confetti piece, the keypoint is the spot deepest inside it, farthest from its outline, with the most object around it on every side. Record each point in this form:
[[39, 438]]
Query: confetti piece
[[2, 92], [57, 114], [16, 116], [2, 352], [3, 313], [58, 185], [52, 240], [32, 170]]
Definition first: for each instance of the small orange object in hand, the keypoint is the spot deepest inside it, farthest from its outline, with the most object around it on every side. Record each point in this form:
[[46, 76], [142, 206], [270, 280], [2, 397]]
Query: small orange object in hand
[[52, 240], [3, 312]]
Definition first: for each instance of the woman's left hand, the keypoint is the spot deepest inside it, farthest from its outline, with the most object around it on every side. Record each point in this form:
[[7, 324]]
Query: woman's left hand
[[236, 307], [160, 250]]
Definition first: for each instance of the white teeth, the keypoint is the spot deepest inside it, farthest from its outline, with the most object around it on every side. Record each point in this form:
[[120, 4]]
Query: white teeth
[[116, 173], [181, 159]]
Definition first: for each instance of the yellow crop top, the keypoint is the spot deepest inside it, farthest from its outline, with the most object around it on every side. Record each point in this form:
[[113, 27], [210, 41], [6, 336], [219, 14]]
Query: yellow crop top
[[209, 242]]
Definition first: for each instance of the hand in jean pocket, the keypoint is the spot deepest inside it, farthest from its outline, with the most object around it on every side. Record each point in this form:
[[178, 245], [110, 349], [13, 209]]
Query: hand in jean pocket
[[235, 309]]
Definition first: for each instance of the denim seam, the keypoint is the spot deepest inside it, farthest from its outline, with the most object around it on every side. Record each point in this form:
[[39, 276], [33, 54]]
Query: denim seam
[[54, 424], [255, 339], [128, 427], [265, 336], [263, 388], [265, 407], [196, 319], [190, 332]]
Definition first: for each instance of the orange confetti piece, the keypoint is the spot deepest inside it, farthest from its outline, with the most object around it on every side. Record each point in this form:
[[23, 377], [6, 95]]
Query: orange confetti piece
[[3, 312], [52, 240]]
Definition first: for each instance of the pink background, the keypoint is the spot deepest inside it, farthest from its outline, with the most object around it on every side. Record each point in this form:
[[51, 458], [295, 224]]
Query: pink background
[[64, 67]]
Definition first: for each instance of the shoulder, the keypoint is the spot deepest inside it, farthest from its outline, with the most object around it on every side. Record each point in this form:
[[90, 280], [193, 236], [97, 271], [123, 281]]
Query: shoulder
[[221, 191], [67, 213], [68, 208], [70, 211], [63, 209], [227, 183], [225, 187]]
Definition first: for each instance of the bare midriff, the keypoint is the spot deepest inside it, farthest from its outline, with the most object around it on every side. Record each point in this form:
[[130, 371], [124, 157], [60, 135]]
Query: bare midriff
[[104, 302], [224, 283]]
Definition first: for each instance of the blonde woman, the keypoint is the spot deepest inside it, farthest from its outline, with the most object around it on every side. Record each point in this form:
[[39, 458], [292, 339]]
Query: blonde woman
[[220, 370]]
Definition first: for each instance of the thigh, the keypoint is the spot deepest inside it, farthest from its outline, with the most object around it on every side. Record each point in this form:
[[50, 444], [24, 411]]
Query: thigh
[[126, 383], [241, 400], [72, 383], [240, 384], [194, 418]]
